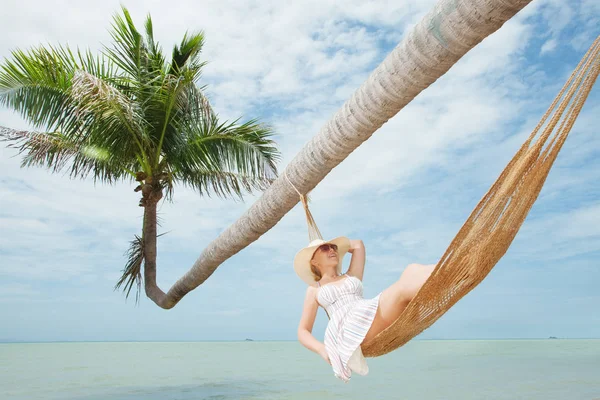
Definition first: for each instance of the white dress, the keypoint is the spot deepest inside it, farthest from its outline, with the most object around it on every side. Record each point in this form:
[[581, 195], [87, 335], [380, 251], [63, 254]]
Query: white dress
[[350, 317]]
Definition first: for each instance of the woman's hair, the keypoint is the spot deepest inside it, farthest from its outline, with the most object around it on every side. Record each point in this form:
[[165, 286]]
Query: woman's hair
[[315, 271]]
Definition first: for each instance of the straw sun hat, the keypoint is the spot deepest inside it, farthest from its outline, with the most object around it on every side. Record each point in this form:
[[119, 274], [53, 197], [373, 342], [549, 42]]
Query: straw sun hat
[[303, 257]]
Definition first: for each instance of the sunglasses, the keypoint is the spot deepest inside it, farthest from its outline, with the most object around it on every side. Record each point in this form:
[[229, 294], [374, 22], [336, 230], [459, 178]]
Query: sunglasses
[[327, 246]]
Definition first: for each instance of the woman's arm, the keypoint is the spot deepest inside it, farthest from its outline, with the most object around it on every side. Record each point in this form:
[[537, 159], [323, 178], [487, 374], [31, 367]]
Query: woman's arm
[[357, 263], [309, 313]]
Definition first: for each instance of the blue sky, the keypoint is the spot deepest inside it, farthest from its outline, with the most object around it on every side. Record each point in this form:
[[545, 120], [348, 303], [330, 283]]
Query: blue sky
[[405, 192]]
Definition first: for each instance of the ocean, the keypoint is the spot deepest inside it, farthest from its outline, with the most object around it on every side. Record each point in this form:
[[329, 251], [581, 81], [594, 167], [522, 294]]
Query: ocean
[[422, 369]]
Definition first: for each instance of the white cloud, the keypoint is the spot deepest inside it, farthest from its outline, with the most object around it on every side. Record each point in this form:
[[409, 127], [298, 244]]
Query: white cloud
[[549, 46]]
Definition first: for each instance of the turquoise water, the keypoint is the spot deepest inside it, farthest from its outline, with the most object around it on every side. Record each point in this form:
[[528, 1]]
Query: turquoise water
[[423, 369]]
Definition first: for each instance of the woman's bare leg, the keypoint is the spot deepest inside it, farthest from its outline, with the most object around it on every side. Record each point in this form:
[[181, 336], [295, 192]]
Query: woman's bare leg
[[395, 298]]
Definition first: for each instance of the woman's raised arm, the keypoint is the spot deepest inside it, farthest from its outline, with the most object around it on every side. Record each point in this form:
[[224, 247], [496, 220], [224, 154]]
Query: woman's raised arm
[[357, 263]]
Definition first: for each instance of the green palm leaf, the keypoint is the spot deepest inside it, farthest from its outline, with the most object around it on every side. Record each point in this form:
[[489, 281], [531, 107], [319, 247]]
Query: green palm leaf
[[58, 152], [216, 155]]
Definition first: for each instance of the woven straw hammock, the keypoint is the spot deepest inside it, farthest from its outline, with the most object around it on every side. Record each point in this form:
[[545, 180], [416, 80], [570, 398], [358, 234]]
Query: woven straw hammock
[[490, 229]]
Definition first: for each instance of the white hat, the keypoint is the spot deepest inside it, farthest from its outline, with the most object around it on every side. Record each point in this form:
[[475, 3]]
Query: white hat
[[303, 257]]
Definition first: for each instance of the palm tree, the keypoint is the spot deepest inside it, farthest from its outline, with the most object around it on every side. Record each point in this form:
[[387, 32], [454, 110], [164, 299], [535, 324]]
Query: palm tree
[[132, 114], [436, 43]]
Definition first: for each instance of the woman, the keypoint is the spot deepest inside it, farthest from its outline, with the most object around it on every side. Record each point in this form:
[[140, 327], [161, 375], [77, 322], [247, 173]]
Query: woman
[[352, 319]]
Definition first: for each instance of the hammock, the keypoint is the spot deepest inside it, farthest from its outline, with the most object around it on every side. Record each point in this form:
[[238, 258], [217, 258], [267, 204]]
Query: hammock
[[490, 229]]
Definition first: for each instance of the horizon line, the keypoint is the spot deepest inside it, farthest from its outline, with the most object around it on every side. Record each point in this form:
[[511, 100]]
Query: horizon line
[[271, 340]]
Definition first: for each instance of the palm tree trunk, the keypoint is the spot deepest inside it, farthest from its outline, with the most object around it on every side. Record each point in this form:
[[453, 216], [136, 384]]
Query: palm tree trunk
[[150, 198], [438, 41], [149, 239]]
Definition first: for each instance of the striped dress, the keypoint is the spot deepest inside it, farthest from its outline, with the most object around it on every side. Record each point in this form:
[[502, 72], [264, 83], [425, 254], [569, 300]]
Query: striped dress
[[350, 317]]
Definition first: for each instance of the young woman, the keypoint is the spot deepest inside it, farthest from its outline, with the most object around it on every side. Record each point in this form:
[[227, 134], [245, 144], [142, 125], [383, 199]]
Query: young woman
[[352, 319]]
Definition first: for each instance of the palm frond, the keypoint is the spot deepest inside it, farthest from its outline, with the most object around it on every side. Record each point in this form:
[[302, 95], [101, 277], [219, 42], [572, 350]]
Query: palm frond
[[181, 104], [132, 273], [129, 51], [223, 184], [101, 101], [178, 86], [154, 51], [36, 85], [110, 119], [186, 54], [246, 148], [193, 108], [227, 158], [54, 150], [54, 88]]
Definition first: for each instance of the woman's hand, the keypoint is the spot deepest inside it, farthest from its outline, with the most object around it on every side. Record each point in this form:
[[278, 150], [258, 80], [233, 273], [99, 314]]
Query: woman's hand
[[324, 355]]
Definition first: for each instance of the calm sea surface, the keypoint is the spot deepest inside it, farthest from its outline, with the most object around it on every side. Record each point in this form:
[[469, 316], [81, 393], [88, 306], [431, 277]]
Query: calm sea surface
[[422, 369]]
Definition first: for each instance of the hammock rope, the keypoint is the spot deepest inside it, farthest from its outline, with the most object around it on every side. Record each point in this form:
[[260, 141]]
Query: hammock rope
[[313, 230], [490, 229]]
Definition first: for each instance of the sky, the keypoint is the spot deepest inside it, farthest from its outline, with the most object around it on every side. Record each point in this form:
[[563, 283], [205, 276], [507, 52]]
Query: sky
[[405, 192]]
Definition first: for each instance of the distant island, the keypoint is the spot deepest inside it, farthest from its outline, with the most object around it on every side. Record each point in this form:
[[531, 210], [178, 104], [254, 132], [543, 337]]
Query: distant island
[[552, 337], [249, 340]]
